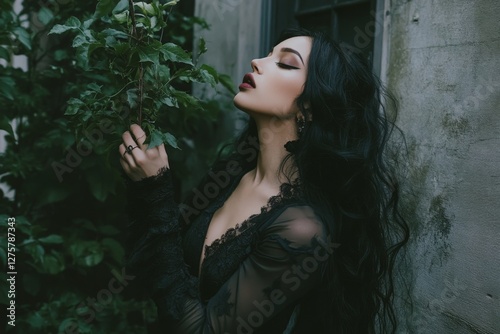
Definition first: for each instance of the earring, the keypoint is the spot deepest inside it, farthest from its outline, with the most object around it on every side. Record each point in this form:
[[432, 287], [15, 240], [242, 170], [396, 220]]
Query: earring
[[300, 125]]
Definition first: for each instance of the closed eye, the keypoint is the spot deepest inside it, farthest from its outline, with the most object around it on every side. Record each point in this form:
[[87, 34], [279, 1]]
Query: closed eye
[[286, 66]]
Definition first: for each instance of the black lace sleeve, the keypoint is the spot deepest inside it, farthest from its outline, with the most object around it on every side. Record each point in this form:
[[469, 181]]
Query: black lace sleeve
[[283, 265]]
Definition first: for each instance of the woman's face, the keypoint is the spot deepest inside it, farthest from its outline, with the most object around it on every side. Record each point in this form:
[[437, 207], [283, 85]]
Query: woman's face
[[277, 80]]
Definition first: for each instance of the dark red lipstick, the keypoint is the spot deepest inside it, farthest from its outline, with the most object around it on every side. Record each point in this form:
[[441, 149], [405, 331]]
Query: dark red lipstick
[[248, 82]]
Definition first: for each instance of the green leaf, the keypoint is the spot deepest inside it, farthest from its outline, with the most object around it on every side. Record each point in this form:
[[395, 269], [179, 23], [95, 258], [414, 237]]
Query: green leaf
[[79, 41], [186, 100], [53, 263], [156, 139], [146, 8], [227, 82], [170, 3], [23, 36], [66, 324], [51, 239], [121, 6], [175, 53], [115, 33], [121, 17], [5, 125], [87, 23], [202, 46], [171, 140], [169, 101], [149, 54], [45, 15], [114, 248], [36, 320], [74, 106], [104, 7], [132, 97], [61, 55], [208, 74], [36, 251], [71, 24], [7, 85], [5, 54], [95, 87], [87, 253]]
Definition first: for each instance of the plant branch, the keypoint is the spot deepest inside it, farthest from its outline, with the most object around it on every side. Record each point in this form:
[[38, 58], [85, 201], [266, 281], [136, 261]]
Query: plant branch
[[132, 17], [140, 84], [141, 91]]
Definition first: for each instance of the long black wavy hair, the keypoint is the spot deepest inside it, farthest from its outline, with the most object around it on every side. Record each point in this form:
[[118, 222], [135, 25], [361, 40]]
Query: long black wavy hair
[[345, 175]]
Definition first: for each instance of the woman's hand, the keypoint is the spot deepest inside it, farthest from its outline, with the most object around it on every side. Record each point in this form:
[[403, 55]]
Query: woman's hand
[[137, 161]]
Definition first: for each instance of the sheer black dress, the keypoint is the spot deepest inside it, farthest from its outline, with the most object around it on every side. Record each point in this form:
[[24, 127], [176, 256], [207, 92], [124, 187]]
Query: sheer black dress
[[264, 276]]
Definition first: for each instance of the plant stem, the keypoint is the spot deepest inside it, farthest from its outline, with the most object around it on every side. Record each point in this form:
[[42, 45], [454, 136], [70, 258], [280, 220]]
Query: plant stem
[[132, 16], [140, 84], [141, 91]]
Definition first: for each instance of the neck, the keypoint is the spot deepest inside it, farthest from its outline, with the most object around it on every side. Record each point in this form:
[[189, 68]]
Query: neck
[[273, 134]]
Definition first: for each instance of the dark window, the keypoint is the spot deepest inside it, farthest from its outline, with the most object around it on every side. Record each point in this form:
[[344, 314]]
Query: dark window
[[351, 22]]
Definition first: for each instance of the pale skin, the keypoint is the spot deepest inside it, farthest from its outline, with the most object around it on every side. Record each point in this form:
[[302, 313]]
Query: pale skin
[[279, 79]]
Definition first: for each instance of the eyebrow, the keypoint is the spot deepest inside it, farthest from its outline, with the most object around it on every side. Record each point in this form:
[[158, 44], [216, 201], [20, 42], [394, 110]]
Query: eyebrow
[[293, 51]]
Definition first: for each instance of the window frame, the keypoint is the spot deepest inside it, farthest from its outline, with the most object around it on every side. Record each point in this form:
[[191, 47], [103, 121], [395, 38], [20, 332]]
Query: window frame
[[279, 14]]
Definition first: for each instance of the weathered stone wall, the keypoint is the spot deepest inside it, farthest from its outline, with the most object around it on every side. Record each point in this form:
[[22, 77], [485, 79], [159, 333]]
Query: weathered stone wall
[[444, 66]]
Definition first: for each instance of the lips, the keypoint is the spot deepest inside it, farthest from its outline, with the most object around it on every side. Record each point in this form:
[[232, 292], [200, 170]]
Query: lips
[[248, 82]]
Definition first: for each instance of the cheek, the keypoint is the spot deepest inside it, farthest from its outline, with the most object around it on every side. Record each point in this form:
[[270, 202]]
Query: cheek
[[291, 89]]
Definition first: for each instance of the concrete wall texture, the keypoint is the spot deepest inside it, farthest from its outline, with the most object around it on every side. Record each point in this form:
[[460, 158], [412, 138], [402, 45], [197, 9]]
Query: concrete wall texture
[[441, 58], [444, 66]]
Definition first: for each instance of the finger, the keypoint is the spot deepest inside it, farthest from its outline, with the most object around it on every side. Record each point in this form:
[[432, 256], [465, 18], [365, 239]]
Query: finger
[[125, 167], [126, 157], [163, 153], [139, 135], [131, 146]]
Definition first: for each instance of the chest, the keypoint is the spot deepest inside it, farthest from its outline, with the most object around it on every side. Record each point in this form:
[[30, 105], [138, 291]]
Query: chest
[[238, 208], [224, 255], [227, 232]]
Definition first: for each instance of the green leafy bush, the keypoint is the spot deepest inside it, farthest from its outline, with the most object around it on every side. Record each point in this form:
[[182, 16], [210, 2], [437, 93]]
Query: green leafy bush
[[63, 118]]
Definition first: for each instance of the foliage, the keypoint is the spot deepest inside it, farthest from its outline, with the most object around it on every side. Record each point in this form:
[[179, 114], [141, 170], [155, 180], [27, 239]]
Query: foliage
[[133, 67], [67, 190]]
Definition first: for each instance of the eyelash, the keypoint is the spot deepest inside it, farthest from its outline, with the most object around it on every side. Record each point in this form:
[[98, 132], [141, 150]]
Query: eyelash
[[287, 67]]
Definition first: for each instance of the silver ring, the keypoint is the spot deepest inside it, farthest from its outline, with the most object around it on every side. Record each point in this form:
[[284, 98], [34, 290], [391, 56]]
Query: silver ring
[[130, 148]]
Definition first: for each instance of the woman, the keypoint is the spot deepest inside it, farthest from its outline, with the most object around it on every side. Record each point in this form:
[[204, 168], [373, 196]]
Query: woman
[[290, 232]]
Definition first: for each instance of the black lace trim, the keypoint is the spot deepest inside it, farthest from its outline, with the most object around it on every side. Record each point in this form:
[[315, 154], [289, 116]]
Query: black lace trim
[[287, 191], [150, 180]]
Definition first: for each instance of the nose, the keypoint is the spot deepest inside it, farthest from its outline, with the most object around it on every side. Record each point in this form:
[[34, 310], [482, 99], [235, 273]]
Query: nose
[[255, 65]]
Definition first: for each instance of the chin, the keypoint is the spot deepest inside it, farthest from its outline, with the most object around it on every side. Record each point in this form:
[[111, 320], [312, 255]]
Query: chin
[[238, 103]]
